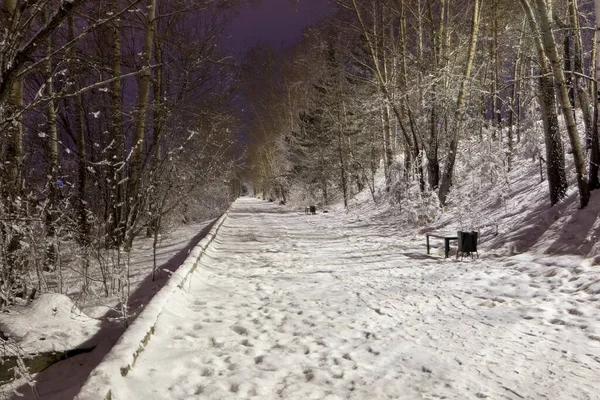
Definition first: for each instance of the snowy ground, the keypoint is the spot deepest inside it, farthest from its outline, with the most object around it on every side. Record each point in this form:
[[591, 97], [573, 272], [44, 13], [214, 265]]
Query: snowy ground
[[330, 306], [52, 322]]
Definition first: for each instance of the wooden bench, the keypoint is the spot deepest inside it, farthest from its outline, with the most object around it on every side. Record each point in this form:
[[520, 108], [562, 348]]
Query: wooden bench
[[447, 238]]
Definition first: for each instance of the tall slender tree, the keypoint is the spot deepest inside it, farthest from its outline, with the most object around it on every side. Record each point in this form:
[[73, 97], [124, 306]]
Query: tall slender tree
[[594, 167], [544, 11], [555, 156], [134, 193], [460, 101]]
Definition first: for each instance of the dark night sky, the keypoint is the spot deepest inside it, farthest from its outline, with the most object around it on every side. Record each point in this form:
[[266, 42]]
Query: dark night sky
[[273, 21]]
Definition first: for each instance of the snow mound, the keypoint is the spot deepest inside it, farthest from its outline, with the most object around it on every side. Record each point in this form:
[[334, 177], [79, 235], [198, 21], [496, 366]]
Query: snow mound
[[40, 326]]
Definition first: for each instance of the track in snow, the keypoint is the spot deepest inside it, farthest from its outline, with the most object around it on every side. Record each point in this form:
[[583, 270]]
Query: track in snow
[[286, 305]]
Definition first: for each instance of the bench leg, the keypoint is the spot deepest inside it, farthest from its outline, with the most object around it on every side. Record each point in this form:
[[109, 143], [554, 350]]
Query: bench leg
[[427, 236], [447, 247]]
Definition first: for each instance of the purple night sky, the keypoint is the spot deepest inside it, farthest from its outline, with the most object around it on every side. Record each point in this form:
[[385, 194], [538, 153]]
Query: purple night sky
[[273, 21]]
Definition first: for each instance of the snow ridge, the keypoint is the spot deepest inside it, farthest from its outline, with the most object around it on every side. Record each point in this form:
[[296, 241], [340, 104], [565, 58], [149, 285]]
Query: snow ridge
[[123, 355]]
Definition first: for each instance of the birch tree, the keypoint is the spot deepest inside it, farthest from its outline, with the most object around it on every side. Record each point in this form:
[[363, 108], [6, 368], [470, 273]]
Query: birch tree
[[117, 205], [544, 11], [460, 101], [555, 156], [134, 190], [378, 65], [595, 142]]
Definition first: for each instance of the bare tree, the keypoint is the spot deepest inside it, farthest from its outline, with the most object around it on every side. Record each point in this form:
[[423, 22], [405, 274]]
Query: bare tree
[[555, 157], [544, 10], [453, 147]]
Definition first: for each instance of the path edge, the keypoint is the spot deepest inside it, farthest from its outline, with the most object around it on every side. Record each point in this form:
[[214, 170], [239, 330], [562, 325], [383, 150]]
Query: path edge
[[121, 358]]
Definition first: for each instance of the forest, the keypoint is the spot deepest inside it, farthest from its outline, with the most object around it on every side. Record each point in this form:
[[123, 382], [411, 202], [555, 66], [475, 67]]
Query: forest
[[122, 119], [400, 85], [116, 123]]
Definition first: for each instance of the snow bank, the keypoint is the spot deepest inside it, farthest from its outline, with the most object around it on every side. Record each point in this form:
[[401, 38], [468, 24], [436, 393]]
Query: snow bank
[[40, 327], [119, 361]]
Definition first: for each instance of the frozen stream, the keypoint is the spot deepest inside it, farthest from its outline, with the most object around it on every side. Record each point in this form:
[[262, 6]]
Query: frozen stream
[[294, 306]]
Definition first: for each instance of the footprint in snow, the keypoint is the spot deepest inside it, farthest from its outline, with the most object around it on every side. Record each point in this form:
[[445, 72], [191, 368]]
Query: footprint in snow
[[308, 374], [240, 330]]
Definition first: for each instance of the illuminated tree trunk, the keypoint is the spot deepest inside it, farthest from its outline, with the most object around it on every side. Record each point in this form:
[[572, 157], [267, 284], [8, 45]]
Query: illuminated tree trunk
[[555, 156], [495, 89], [437, 38], [457, 125], [595, 131], [514, 106], [544, 9]]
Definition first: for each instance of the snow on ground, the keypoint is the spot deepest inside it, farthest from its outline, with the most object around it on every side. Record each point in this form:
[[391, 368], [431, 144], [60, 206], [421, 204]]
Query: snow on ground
[[332, 306], [41, 328]]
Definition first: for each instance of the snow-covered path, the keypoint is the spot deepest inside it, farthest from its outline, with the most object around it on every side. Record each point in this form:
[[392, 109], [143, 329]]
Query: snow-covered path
[[287, 305]]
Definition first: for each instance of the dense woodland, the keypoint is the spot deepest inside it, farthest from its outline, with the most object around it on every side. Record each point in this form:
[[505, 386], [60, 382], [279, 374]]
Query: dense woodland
[[403, 84], [120, 118], [116, 123]]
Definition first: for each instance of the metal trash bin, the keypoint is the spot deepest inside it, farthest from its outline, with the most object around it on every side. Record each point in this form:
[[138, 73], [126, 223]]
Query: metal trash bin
[[467, 243]]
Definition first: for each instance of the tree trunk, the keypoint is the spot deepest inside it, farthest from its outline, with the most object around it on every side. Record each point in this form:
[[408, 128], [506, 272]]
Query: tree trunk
[[514, 108], [14, 148], [544, 8], [52, 209], [342, 164], [496, 105], [387, 149], [10, 182], [595, 154], [134, 194], [555, 156], [437, 38], [582, 93], [116, 205], [595, 131], [568, 68], [78, 115], [451, 158], [592, 87]]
